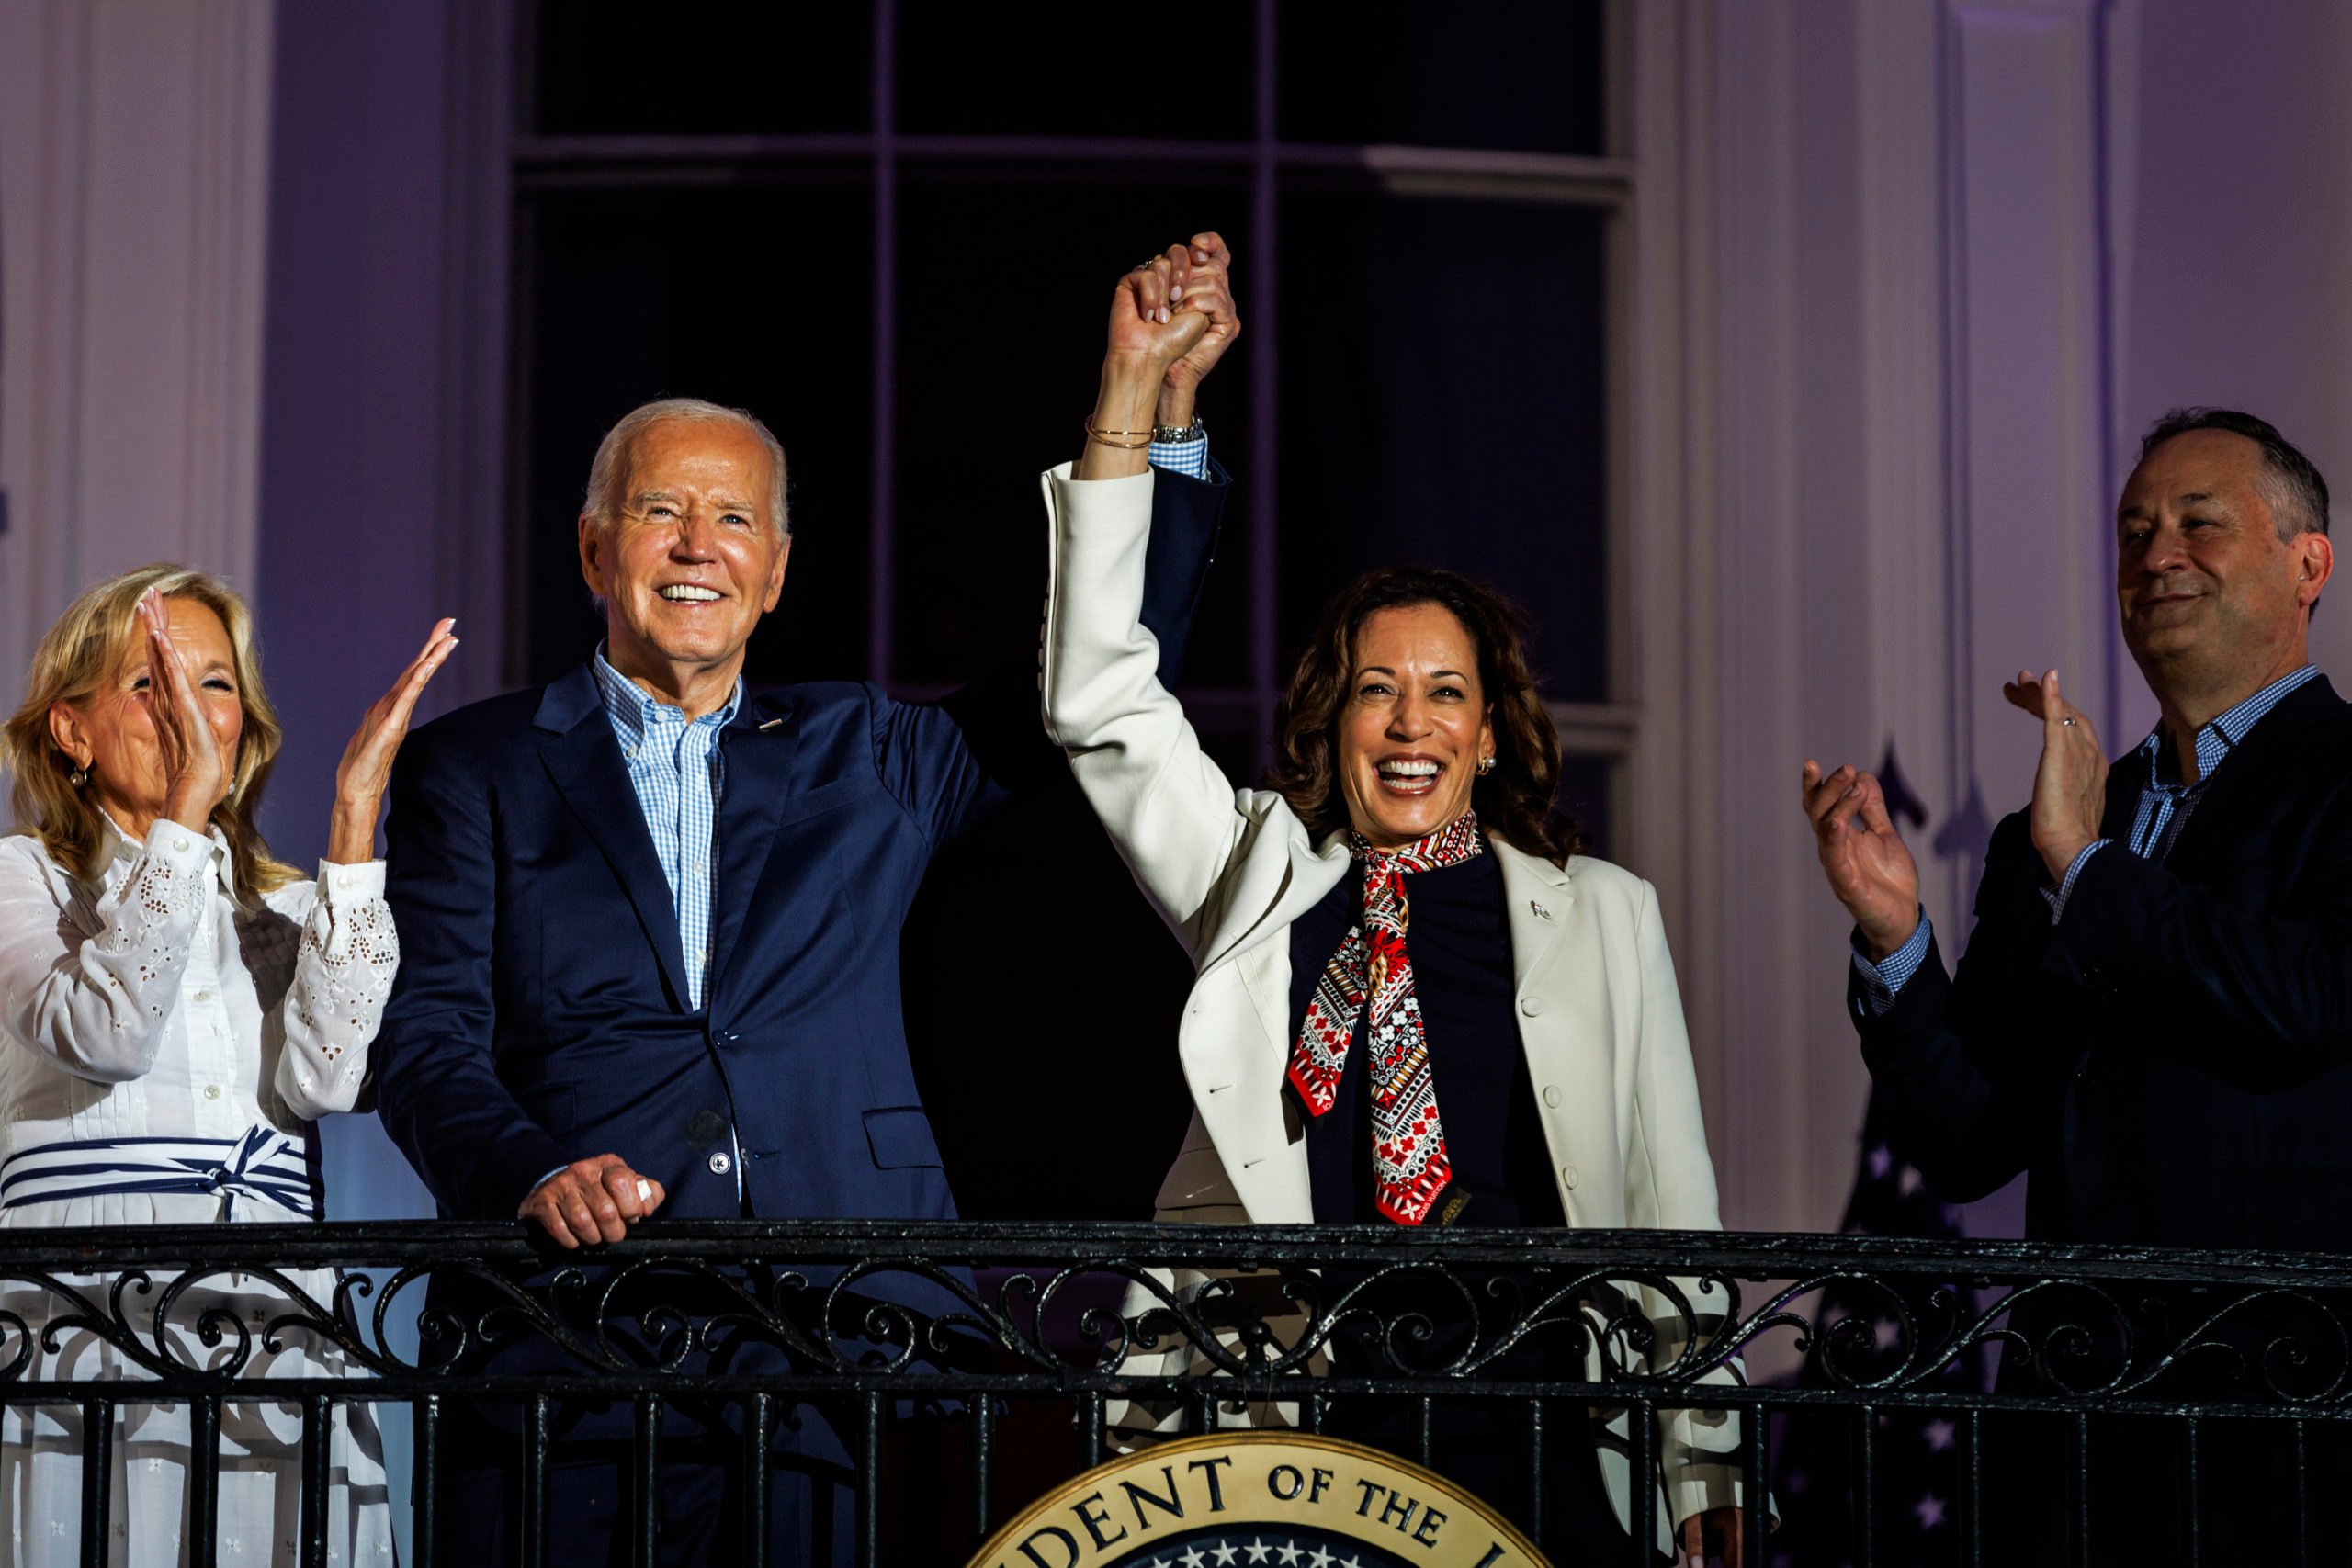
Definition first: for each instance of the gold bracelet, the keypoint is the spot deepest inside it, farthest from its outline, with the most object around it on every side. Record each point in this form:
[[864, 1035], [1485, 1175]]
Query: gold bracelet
[[1104, 437]]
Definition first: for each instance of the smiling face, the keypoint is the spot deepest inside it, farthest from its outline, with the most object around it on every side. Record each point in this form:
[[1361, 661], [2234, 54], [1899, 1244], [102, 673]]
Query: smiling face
[[111, 732], [1413, 726], [2213, 599], [691, 563]]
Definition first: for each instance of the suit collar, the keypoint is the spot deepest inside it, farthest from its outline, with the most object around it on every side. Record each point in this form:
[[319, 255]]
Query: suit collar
[[2249, 782], [567, 700], [758, 749], [1538, 899], [583, 762]]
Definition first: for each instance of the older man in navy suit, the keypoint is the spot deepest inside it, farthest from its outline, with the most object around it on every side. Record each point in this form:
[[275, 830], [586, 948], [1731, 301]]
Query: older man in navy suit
[[651, 920]]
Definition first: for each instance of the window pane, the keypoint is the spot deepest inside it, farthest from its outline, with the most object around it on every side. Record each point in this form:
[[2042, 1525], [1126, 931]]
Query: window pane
[[756, 298], [702, 66], [1047, 70], [1527, 78], [1009, 349], [1443, 403]]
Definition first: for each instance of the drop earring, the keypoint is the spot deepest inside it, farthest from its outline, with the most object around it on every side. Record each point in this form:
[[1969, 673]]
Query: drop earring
[[1485, 764]]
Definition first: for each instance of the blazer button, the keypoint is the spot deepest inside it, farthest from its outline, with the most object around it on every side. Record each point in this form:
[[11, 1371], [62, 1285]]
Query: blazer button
[[1552, 1094], [1568, 1177], [719, 1164], [1531, 1006]]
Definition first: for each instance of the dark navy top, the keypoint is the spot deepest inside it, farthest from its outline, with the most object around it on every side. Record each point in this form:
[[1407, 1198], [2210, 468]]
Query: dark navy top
[[1458, 938]]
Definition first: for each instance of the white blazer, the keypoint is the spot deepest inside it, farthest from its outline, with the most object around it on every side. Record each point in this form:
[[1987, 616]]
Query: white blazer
[[1231, 870]]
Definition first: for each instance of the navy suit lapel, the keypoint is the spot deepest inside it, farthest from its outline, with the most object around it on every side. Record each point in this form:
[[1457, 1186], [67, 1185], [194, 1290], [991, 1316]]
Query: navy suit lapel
[[759, 747], [2249, 788], [583, 759]]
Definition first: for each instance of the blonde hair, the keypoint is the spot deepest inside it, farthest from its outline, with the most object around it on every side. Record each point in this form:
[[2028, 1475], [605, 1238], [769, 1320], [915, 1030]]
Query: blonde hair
[[79, 655]]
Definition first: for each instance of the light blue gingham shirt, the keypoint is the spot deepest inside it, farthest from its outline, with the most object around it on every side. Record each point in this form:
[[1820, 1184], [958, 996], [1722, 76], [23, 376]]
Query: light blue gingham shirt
[[677, 770], [2164, 808]]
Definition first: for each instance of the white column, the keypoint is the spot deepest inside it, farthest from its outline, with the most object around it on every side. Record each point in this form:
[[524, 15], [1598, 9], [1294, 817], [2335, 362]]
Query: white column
[[133, 204], [1872, 471]]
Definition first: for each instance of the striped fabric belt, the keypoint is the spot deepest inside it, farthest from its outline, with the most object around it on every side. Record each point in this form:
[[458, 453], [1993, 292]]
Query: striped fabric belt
[[262, 1162]]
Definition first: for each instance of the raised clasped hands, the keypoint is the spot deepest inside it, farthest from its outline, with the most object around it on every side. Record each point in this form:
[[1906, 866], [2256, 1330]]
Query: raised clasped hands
[[1195, 279], [1172, 318], [197, 777], [366, 766], [2070, 782], [1868, 867]]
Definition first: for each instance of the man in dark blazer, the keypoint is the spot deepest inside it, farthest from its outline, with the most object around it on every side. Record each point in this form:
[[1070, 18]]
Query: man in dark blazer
[[2153, 1015], [650, 921]]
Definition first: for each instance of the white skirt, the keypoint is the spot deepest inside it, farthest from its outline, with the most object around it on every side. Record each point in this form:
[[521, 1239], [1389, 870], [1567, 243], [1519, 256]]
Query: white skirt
[[261, 1443]]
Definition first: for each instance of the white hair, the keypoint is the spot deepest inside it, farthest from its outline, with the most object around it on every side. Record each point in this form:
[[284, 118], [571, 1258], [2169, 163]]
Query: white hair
[[609, 473]]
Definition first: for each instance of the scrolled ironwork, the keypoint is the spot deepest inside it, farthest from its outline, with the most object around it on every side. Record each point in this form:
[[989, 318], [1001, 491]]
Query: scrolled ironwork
[[1652, 1316]]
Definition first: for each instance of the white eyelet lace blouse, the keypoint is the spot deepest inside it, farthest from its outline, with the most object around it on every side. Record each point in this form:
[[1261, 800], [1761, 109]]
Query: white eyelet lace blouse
[[151, 1005], [155, 1004]]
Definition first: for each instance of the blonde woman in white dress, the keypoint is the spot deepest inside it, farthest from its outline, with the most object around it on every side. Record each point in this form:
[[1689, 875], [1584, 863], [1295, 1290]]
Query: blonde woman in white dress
[[177, 1007]]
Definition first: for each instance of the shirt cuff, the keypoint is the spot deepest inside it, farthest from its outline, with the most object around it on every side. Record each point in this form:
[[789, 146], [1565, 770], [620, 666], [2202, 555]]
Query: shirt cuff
[[1190, 458], [178, 846], [1883, 981], [542, 1181], [343, 886], [2056, 897]]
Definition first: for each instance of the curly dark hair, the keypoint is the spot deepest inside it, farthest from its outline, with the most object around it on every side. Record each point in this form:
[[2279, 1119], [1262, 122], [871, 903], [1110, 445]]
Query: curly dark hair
[[1517, 801]]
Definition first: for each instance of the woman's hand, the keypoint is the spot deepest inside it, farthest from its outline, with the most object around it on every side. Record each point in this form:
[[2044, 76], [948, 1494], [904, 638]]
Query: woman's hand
[[1153, 325], [366, 765], [195, 775]]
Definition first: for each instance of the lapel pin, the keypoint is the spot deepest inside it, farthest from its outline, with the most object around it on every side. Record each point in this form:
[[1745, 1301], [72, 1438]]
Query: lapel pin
[[1539, 908], [772, 724]]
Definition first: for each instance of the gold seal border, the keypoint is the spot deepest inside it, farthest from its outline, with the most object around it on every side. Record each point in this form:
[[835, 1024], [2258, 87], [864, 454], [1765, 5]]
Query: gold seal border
[[1059, 1499]]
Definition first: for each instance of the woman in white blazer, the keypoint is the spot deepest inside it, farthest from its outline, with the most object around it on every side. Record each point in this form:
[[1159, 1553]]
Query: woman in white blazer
[[1413, 1001]]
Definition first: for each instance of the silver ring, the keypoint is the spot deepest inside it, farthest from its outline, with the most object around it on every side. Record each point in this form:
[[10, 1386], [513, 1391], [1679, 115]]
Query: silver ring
[[2067, 722]]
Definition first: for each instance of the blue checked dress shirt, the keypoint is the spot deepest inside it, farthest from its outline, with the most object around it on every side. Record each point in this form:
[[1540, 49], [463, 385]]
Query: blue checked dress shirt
[[676, 768], [2165, 804]]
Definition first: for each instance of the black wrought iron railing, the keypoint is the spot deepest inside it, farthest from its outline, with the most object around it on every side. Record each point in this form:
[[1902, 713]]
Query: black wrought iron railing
[[1041, 1346]]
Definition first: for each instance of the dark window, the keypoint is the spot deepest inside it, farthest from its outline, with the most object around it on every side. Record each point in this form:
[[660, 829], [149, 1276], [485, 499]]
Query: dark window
[[998, 347], [1184, 75], [701, 67], [1444, 403], [1517, 77], [757, 299]]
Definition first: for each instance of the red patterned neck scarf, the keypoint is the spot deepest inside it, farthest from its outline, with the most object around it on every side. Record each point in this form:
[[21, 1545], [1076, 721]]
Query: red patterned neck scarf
[[1409, 1166]]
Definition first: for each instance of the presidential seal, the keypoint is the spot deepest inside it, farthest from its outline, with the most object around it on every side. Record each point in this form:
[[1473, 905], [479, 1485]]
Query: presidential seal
[[1258, 1500]]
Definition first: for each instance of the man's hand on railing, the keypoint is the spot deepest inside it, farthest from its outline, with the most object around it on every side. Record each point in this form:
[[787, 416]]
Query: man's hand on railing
[[592, 1201]]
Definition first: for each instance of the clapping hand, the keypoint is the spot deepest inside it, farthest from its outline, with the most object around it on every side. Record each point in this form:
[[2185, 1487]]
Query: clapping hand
[[195, 775], [1868, 867], [366, 765], [2070, 783]]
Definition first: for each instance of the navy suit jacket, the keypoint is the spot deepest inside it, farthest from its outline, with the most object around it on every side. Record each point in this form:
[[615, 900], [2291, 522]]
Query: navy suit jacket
[[541, 1015], [2173, 1061]]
